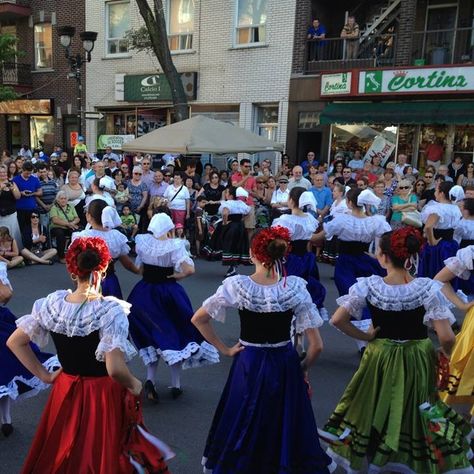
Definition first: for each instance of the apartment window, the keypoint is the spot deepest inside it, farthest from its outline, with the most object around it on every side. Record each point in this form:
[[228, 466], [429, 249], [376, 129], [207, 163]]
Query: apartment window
[[118, 23], [180, 24], [251, 20], [43, 34], [267, 121]]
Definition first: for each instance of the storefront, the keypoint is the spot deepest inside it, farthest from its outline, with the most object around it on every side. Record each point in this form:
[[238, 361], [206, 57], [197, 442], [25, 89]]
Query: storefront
[[410, 109]]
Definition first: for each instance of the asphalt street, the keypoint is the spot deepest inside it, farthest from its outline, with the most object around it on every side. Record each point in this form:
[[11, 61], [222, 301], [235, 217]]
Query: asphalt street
[[182, 423]]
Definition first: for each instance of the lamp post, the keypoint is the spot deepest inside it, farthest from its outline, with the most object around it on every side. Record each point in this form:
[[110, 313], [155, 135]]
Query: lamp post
[[88, 38]]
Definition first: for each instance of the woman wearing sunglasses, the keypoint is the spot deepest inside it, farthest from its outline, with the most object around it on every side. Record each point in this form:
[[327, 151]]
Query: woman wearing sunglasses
[[467, 178], [404, 201], [36, 243]]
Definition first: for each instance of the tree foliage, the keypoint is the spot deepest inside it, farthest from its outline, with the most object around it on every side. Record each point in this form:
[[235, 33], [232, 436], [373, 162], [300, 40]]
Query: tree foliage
[[8, 53]]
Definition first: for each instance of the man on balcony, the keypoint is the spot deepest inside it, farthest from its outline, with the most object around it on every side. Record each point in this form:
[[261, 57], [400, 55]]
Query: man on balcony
[[351, 34], [317, 46]]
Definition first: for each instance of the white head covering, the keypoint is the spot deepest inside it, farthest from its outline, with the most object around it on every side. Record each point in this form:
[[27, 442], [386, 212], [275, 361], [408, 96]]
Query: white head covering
[[241, 192], [456, 193], [160, 224], [367, 197], [3, 274], [107, 182], [110, 218], [307, 199]]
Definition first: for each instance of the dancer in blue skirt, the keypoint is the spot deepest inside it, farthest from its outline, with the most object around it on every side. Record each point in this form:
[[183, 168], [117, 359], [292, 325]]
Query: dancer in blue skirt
[[160, 317], [355, 232], [264, 422], [16, 381], [103, 219], [440, 219]]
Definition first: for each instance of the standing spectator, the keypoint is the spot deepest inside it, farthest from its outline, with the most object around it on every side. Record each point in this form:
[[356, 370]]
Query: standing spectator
[[212, 192], [206, 173], [148, 174], [35, 241], [234, 168], [80, 165], [26, 152], [138, 191], [297, 180], [419, 188], [158, 186], [178, 200], [224, 178], [9, 193], [434, 153], [80, 146], [271, 185], [64, 221], [76, 196], [310, 161], [266, 167], [429, 192], [444, 170], [98, 191], [376, 168], [50, 189], [191, 173], [110, 155], [12, 169], [244, 179], [98, 172], [125, 171], [390, 182], [19, 160], [346, 179], [322, 195], [357, 163], [401, 163], [279, 201], [456, 168], [385, 205], [262, 202], [467, 178], [64, 161], [350, 33], [317, 33], [337, 169], [30, 189]]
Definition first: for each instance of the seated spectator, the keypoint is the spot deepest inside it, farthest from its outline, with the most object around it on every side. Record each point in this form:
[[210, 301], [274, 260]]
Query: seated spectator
[[337, 168], [9, 252], [362, 182], [444, 170], [357, 163], [367, 172], [156, 204], [224, 178], [35, 242], [408, 174], [419, 188], [99, 192], [76, 196], [310, 160], [404, 201], [346, 179], [469, 191], [376, 168], [467, 179], [129, 225], [385, 206], [297, 180], [279, 201], [323, 196], [64, 221]]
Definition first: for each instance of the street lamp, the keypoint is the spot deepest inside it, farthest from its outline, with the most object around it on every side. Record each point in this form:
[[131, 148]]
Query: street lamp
[[88, 38]]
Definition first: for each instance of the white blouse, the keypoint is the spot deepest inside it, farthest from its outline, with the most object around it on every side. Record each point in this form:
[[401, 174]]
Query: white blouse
[[161, 253], [179, 202], [107, 315], [449, 214], [360, 229], [340, 208], [234, 207], [4, 275], [242, 292], [464, 230], [300, 227], [419, 292], [463, 263], [115, 240]]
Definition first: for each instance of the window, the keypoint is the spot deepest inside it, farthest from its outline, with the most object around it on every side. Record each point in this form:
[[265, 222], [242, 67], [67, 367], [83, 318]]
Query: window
[[267, 121], [251, 19], [180, 24], [118, 22], [41, 127], [43, 46]]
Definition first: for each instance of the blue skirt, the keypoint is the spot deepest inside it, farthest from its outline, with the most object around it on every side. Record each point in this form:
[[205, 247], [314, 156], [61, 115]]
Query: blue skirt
[[264, 422], [160, 325], [111, 286], [15, 380], [306, 267], [350, 267], [433, 257]]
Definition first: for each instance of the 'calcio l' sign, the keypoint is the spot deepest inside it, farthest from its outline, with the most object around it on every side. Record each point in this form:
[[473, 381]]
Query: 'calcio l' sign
[[423, 80]]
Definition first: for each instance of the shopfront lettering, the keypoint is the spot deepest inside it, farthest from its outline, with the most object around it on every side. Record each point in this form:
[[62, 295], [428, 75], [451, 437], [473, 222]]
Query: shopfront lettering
[[336, 84], [435, 80]]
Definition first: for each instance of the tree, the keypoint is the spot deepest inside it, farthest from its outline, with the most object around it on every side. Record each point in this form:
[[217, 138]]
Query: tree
[[154, 37], [8, 53]]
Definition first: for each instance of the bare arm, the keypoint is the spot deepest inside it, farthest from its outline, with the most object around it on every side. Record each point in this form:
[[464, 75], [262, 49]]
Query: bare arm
[[341, 320], [429, 226], [315, 347], [118, 370], [445, 335], [127, 262], [319, 237], [185, 271], [143, 201]]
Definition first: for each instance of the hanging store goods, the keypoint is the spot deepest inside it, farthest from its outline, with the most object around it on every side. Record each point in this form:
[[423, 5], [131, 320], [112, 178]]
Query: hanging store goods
[[147, 87], [416, 81]]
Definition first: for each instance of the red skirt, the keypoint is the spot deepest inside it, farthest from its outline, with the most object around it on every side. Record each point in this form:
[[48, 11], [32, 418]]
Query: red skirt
[[83, 429]]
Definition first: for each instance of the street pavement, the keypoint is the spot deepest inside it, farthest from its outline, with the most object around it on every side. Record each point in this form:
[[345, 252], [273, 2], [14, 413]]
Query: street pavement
[[182, 423]]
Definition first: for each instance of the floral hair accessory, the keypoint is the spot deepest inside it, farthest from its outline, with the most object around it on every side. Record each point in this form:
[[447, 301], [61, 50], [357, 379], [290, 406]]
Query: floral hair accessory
[[262, 239], [82, 244], [398, 241]]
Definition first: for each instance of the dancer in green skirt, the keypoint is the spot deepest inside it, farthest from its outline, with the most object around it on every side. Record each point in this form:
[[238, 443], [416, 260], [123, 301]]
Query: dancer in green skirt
[[389, 418]]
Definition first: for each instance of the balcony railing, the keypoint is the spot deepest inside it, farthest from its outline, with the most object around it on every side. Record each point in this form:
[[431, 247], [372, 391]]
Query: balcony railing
[[15, 74], [336, 53], [443, 46]]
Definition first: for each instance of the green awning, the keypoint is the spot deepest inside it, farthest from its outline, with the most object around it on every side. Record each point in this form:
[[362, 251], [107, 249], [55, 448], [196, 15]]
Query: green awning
[[392, 113]]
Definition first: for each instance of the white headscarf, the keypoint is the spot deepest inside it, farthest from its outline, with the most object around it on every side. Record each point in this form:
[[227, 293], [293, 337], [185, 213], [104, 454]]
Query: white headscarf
[[307, 199], [367, 197], [456, 193], [110, 218], [3, 275], [160, 224], [241, 192]]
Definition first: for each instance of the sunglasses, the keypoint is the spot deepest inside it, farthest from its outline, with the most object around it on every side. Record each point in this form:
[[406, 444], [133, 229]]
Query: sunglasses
[[429, 176], [421, 184], [470, 166], [55, 162], [34, 216], [404, 187], [137, 173], [167, 176]]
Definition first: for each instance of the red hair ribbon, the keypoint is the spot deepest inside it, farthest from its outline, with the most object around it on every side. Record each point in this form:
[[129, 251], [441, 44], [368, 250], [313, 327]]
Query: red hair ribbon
[[398, 241], [262, 240], [82, 244]]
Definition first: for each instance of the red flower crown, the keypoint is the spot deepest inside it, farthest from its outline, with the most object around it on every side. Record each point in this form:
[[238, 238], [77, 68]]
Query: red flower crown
[[81, 245], [263, 238], [398, 241]]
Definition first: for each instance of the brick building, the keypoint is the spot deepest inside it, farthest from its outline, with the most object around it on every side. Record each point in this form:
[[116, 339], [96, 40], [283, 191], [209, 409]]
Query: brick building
[[46, 112], [410, 83], [236, 63]]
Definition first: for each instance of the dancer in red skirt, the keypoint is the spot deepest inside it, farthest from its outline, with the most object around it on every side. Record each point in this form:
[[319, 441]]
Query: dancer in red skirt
[[86, 426]]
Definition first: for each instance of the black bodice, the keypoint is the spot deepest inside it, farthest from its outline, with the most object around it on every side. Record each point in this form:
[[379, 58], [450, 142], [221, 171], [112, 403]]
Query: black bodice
[[446, 234], [77, 354], [156, 274], [265, 328], [235, 217], [399, 325], [353, 247], [465, 243], [299, 247]]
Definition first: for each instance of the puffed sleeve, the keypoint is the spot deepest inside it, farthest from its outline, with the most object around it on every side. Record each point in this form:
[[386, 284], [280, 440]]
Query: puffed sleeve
[[114, 330], [306, 313], [181, 256], [463, 263], [4, 275], [32, 324], [436, 305], [224, 297], [355, 301], [121, 242], [333, 227], [382, 225]]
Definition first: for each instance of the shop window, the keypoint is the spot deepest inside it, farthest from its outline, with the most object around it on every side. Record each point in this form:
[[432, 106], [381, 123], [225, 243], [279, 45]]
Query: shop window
[[267, 122], [41, 130], [308, 120], [251, 21], [43, 36], [117, 24], [431, 135], [180, 24], [464, 142]]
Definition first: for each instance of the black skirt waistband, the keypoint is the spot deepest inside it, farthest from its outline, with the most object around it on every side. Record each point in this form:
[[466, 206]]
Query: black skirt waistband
[[352, 247], [235, 217], [446, 234], [466, 242], [299, 247], [155, 274], [110, 269]]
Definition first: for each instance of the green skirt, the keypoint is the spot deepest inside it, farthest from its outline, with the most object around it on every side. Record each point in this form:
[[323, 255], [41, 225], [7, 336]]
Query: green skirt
[[378, 419]]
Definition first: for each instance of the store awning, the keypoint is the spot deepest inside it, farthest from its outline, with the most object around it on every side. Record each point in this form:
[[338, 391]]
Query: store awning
[[392, 113]]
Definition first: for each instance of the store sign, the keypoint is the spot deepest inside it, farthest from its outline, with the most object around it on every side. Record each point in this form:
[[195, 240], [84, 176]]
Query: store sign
[[336, 84], [381, 148], [156, 87], [28, 107], [415, 81], [115, 142]]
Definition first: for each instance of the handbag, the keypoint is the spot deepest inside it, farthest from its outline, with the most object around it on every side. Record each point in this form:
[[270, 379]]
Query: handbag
[[412, 218]]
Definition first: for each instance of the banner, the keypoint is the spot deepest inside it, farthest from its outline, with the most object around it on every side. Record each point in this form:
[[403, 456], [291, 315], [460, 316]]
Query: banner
[[380, 147], [115, 142]]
